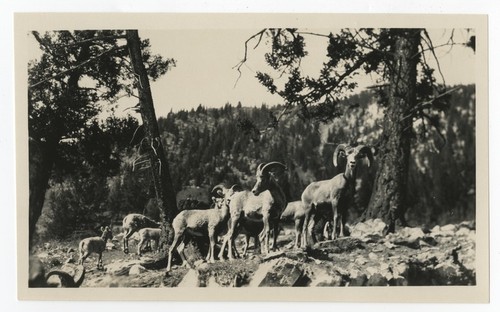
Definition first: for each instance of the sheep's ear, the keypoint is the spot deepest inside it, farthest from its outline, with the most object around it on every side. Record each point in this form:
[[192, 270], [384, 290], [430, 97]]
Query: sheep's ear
[[102, 228]]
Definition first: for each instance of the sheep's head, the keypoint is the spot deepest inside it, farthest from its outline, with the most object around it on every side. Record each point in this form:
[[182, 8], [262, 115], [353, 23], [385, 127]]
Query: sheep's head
[[264, 176], [106, 233], [221, 195], [353, 155]]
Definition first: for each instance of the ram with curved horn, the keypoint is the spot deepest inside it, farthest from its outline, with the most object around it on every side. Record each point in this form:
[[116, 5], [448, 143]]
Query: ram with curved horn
[[264, 203], [38, 277], [336, 192]]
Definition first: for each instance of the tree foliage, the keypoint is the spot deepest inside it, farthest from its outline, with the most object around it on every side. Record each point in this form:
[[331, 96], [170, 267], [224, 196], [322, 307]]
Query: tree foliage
[[79, 74]]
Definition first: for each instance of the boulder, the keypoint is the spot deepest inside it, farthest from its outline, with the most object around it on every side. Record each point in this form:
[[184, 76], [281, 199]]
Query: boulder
[[136, 269], [190, 279], [283, 272], [377, 279]]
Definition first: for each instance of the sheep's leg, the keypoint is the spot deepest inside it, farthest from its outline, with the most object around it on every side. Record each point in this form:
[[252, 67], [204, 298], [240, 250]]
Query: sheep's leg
[[276, 231], [298, 231], [264, 235], [334, 225], [99, 262], [310, 228], [127, 235], [180, 250], [175, 243], [341, 232], [257, 246], [230, 237], [157, 245], [223, 246], [139, 246], [245, 248], [307, 217], [326, 230], [83, 257], [211, 250]]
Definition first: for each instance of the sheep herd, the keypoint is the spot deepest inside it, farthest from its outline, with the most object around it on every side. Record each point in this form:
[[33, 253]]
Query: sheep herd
[[254, 213]]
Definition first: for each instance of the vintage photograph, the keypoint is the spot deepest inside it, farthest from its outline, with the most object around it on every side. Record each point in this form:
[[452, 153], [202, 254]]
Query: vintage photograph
[[312, 155]]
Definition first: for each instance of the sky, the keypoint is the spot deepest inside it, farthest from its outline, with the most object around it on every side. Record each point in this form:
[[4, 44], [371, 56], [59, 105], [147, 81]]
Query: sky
[[206, 59]]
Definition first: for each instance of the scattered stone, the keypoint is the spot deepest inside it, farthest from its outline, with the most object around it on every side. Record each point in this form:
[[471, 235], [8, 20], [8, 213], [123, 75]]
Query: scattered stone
[[136, 269], [328, 280], [389, 245], [377, 279], [190, 279], [449, 228], [398, 281], [212, 283], [372, 256], [358, 279], [283, 273], [360, 260], [372, 270]]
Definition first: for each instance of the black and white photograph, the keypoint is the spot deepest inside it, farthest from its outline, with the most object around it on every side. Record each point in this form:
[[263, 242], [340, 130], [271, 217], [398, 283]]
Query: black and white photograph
[[241, 155]]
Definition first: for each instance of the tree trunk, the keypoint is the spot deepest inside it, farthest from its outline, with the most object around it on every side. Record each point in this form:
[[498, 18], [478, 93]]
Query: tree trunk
[[165, 194], [388, 198], [41, 161]]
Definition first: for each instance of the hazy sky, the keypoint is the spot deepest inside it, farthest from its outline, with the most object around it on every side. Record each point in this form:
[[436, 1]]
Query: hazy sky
[[205, 72]]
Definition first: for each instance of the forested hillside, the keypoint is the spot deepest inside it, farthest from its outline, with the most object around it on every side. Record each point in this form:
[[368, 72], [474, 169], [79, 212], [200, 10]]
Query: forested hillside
[[206, 147]]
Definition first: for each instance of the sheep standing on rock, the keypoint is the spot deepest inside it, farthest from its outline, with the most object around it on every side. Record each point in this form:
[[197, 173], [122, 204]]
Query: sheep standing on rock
[[133, 223], [95, 245], [199, 223], [336, 192], [264, 203]]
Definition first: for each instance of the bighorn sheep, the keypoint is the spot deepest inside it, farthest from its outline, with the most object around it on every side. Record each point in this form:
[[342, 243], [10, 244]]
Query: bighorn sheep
[[264, 204], [146, 235], [336, 192], [38, 278], [199, 222], [133, 223], [95, 245]]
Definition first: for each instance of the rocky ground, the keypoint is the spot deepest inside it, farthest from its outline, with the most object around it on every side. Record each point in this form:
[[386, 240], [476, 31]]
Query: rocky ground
[[443, 255]]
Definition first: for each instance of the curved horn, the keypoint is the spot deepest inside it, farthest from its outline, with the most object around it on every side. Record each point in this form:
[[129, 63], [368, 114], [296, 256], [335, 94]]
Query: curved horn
[[236, 188], [259, 167], [340, 148], [273, 165], [363, 149], [218, 190], [65, 278]]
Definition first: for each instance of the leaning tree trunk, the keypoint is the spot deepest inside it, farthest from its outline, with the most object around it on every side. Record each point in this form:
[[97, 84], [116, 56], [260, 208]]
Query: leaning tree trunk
[[41, 161], [388, 198], [165, 194]]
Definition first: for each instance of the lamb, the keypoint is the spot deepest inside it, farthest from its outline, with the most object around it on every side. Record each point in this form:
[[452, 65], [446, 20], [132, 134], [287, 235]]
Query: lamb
[[263, 204], [134, 222], [199, 222], [146, 235], [95, 245], [336, 192]]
